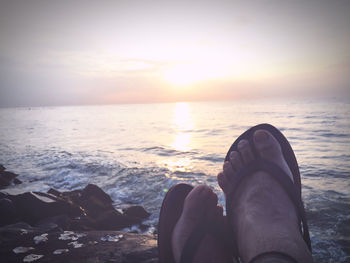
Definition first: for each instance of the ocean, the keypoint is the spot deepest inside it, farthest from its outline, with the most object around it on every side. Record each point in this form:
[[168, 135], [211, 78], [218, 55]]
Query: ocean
[[135, 152]]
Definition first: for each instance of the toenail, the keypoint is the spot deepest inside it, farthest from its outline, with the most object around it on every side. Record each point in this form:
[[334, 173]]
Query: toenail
[[242, 144], [261, 136], [233, 155]]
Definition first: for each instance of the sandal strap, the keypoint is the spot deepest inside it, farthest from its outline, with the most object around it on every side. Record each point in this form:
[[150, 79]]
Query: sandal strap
[[193, 242], [205, 227], [273, 255]]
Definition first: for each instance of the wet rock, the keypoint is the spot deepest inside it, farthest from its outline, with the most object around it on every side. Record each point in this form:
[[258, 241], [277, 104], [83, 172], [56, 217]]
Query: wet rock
[[95, 191], [6, 178], [114, 220], [95, 200], [87, 209], [33, 207], [144, 227], [46, 215], [71, 196], [17, 181], [136, 211], [54, 192]]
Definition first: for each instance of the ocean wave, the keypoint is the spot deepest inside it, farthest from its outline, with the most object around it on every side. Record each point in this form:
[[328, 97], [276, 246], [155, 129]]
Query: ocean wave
[[210, 157], [162, 151], [158, 150], [336, 135], [290, 129]]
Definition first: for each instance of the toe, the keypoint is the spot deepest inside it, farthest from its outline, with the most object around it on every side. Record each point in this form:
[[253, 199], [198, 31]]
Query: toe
[[198, 200], [228, 170], [236, 161], [266, 145], [223, 181], [269, 148], [245, 151], [200, 203]]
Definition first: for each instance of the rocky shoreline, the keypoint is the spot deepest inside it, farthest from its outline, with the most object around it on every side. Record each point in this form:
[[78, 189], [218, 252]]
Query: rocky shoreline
[[73, 226]]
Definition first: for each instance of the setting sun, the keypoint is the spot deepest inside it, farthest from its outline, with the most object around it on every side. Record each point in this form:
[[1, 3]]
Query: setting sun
[[200, 70]]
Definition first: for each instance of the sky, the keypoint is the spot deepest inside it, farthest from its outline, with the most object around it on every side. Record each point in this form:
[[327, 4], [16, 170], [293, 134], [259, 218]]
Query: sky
[[145, 51]]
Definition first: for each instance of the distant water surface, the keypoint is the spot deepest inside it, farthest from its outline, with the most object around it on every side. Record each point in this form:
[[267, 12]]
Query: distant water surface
[[137, 152]]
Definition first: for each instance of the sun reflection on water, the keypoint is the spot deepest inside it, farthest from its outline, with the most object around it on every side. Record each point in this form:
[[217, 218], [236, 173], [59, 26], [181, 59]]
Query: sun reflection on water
[[182, 125], [181, 165]]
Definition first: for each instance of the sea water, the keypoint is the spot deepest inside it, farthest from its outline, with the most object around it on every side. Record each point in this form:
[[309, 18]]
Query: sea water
[[136, 152]]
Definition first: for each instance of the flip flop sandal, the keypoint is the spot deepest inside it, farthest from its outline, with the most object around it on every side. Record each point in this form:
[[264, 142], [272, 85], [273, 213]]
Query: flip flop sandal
[[259, 164], [170, 213]]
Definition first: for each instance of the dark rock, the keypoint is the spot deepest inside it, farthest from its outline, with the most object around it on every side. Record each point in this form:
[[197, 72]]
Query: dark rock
[[3, 195], [94, 190], [6, 178], [114, 220], [72, 196], [33, 207], [144, 227], [136, 211], [92, 199], [17, 181], [54, 192], [87, 209], [48, 195]]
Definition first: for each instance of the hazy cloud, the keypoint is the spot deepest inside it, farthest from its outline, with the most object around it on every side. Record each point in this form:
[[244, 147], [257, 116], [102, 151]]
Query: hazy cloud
[[72, 52]]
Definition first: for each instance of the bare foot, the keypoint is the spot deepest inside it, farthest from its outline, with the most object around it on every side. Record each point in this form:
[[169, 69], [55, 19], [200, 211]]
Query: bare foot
[[200, 203], [264, 219]]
